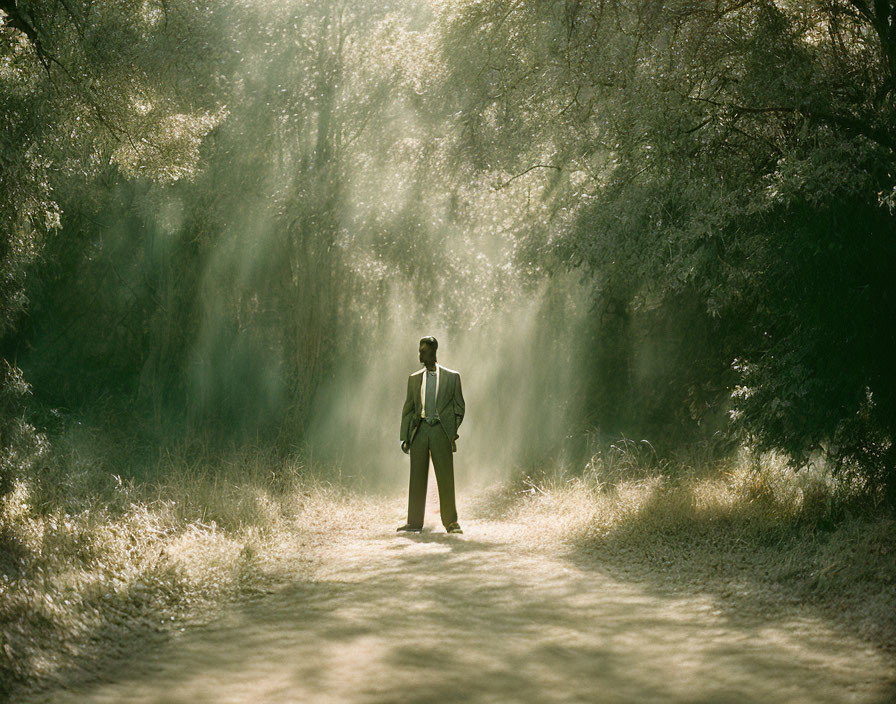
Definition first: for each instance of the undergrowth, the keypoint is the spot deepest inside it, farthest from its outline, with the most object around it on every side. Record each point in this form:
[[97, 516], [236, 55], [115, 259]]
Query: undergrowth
[[91, 558], [749, 529]]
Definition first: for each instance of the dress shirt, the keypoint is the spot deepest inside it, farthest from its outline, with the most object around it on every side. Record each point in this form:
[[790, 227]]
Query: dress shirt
[[423, 389]]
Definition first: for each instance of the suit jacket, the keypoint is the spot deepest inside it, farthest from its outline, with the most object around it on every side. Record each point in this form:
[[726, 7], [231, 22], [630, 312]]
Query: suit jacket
[[449, 402]]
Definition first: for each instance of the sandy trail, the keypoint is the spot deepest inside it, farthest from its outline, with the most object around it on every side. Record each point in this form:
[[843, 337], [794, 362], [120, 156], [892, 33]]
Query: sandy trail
[[487, 617]]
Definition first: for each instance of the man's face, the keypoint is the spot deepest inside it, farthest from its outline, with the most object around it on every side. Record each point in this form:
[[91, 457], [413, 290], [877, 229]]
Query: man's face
[[427, 354]]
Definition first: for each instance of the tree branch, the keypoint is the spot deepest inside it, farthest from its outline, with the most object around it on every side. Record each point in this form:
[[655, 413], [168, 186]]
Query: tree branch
[[524, 172], [854, 124]]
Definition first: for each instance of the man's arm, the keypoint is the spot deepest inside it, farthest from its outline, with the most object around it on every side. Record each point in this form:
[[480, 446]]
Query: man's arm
[[459, 406], [407, 414]]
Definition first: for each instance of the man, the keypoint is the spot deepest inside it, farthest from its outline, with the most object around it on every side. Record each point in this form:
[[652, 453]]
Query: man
[[432, 413]]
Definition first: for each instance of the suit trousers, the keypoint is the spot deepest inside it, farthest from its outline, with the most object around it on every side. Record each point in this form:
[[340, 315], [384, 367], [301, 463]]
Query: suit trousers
[[431, 440]]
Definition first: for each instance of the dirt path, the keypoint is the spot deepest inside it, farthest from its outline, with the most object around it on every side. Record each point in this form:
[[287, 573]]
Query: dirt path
[[487, 617]]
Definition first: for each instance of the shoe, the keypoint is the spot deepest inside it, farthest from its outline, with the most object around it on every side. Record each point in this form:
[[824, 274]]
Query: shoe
[[453, 528], [409, 528]]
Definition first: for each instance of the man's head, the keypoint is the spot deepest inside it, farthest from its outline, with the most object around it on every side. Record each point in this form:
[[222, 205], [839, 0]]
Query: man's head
[[428, 347]]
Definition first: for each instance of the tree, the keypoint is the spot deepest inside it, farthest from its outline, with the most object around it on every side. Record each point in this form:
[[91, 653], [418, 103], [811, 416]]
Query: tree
[[736, 155], [82, 86]]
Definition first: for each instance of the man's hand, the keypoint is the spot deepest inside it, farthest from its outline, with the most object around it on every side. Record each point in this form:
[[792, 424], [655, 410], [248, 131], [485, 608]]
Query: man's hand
[[404, 447]]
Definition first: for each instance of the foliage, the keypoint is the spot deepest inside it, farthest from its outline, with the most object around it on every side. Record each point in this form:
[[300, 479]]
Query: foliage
[[82, 87], [231, 286], [236, 194], [21, 444], [737, 156]]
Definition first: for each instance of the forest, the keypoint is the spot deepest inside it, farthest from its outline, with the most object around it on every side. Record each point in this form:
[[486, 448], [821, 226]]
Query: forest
[[657, 240]]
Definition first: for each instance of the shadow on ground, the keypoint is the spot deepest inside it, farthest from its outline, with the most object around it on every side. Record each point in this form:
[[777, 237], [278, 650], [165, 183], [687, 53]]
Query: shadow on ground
[[483, 617], [842, 573]]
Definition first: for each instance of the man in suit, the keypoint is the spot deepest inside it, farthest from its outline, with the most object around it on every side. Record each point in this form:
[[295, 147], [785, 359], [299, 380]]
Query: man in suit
[[432, 413]]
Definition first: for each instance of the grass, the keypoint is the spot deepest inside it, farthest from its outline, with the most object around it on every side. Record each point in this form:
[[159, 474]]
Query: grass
[[90, 560], [758, 535]]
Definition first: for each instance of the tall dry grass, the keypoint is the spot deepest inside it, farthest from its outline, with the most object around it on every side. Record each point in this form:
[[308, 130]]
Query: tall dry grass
[[91, 558], [749, 529]]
